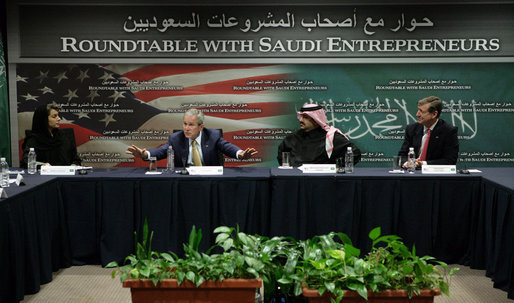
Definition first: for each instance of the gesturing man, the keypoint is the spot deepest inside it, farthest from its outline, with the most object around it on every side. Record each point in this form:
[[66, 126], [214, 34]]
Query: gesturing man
[[198, 144]]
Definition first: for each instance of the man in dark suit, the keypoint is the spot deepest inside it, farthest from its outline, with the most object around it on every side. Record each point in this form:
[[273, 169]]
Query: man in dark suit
[[198, 144], [434, 140]]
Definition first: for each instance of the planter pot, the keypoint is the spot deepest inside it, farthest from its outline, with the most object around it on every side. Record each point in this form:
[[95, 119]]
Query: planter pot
[[168, 291], [387, 296]]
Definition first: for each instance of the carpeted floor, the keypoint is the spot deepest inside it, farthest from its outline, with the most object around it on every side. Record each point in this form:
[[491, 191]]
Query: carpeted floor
[[93, 284]]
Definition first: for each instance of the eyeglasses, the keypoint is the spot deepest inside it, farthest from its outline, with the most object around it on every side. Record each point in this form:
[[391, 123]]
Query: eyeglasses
[[423, 112]]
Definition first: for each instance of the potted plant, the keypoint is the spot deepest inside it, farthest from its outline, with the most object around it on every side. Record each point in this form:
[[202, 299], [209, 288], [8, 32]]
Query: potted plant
[[330, 271], [244, 263]]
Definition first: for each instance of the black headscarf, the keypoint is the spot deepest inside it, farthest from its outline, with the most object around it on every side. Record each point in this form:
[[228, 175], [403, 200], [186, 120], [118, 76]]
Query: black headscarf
[[56, 148]]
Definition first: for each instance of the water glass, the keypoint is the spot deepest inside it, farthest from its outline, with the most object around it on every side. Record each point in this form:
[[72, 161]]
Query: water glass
[[152, 164], [340, 165], [397, 163], [285, 159]]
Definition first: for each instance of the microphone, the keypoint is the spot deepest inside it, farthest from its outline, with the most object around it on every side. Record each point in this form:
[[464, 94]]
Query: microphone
[[464, 171]]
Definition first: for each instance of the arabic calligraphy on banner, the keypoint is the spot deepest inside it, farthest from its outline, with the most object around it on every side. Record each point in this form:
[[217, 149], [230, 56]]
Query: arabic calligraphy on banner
[[325, 31], [270, 21], [114, 106]]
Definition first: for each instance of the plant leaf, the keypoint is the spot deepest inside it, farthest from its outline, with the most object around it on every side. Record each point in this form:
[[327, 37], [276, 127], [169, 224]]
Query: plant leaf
[[191, 276], [344, 238], [363, 292], [291, 262], [145, 271], [227, 244], [351, 251], [445, 289], [297, 289], [167, 257], [375, 233], [336, 254], [199, 281], [112, 264], [330, 286], [221, 237], [245, 239], [223, 229]]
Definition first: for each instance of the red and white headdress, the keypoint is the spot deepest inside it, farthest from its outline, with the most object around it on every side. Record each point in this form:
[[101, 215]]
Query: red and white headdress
[[317, 113]]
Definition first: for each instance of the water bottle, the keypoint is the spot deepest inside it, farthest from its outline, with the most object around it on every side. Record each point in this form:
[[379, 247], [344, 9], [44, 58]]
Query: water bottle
[[348, 160], [4, 182], [411, 160], [32, 168], [171, 159]]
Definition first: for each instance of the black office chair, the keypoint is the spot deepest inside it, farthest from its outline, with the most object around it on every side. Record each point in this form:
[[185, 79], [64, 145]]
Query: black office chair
[[68, 133], [221, 157]]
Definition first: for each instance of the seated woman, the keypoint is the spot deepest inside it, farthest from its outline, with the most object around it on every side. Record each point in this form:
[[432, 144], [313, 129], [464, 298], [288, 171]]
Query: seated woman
[[52, 145]]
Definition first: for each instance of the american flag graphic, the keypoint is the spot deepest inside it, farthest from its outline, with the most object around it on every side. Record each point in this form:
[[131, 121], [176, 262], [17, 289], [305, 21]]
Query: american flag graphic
[[111, 107]]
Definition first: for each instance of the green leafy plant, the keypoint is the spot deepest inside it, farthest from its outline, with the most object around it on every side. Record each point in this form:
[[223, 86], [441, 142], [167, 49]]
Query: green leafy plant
[[243, 256], [331, 263], [144, 263], [263, 257], [403, 269], [326, 263]]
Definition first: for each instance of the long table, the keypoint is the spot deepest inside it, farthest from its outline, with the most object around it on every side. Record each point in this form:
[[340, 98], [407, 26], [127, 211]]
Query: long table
[[432, 212], [55, 222]]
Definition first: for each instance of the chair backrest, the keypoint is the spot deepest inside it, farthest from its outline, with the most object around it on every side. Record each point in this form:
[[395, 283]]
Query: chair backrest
[[221, 158], [68, 133]]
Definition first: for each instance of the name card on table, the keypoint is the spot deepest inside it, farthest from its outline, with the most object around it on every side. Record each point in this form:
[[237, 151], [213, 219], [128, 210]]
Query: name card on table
[[20, 180], [205, 170], [58, 170], [439, 169], [318, 168], [3, 194], [153, 172]]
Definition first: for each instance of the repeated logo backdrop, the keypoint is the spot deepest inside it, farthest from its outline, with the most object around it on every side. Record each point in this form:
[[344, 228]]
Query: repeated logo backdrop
[[113, 106], [274, 59]]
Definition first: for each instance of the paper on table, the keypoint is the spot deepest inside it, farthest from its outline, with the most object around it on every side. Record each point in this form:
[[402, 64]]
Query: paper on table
[[474, 170], [397, 171], [153, 173], [83, 167], [318, 168]]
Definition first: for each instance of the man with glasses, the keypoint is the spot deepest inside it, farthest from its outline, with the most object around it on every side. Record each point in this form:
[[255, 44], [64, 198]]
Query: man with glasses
[[434, 140], [198, 144]]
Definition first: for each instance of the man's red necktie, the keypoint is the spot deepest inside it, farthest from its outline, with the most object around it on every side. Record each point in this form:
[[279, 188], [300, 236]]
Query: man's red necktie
[[423, 156]]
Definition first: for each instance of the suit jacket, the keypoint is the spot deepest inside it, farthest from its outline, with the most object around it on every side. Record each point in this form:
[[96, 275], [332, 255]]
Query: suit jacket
[[212, 143], [443, 146]]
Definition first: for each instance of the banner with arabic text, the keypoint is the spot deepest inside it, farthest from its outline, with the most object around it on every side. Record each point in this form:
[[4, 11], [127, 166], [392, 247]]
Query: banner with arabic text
[[56, 30], [113, 106]]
